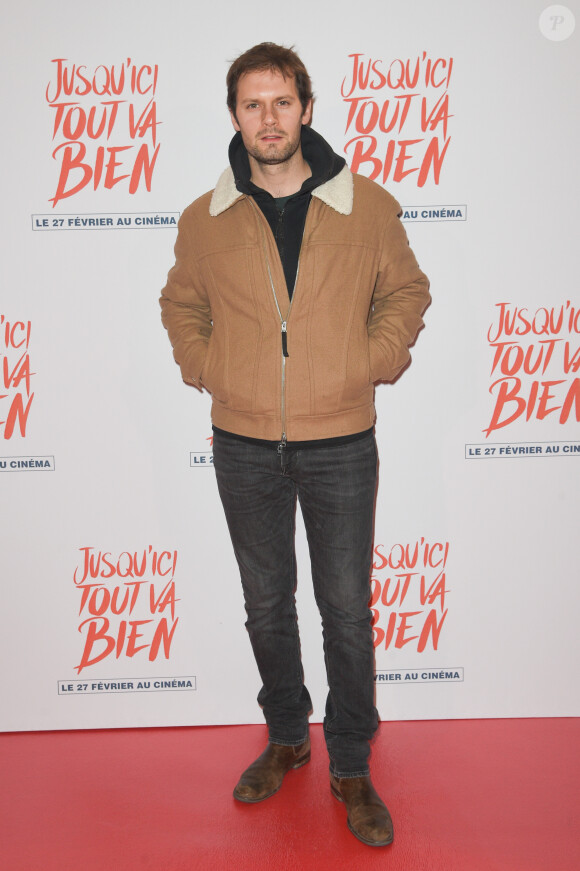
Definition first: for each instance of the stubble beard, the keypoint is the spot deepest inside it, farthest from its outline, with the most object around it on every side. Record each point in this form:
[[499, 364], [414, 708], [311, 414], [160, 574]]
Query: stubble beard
[[275, 153]]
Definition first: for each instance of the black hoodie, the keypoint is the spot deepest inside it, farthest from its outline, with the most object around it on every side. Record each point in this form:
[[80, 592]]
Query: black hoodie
[[287, 216]]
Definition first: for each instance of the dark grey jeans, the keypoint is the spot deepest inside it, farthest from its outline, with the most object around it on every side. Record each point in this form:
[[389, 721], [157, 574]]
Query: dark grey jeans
[[336, 489]]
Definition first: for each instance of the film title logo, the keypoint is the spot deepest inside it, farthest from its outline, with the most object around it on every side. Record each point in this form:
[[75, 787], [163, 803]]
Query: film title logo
[[127, 604], [408, 594], [105, 125], [16, 396], [398, 116], [535, 356]]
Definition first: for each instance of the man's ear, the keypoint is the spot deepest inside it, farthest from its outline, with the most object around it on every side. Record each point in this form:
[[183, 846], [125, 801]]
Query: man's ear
[[307, 114], [234, 122]]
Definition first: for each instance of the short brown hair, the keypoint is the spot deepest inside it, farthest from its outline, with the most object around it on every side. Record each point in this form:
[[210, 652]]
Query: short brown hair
[[269, 56]]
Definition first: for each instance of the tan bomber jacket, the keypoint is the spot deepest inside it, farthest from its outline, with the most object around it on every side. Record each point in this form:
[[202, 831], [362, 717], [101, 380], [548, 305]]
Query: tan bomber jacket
[[356, 307]]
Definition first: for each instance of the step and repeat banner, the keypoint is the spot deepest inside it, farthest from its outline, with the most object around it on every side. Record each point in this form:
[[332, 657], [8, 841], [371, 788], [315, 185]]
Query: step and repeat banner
[[121, 598]]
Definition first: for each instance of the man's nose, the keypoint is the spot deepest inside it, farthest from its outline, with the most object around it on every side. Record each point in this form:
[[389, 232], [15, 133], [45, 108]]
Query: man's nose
[[269, 116]]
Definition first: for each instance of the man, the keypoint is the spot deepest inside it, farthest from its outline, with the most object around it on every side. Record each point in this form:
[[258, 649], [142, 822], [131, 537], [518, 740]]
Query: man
[[294, 291]]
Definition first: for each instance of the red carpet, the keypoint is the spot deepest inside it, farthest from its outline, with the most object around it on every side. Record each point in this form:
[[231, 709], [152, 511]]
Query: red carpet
[[479, 795]]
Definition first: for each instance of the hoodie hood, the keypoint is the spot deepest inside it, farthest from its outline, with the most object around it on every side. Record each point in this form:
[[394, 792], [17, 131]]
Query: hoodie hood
[[323, 162], [331, 180]]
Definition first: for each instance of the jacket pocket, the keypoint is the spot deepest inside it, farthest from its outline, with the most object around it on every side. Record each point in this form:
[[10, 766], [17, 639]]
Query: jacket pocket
[[358, 374], [213, 373]]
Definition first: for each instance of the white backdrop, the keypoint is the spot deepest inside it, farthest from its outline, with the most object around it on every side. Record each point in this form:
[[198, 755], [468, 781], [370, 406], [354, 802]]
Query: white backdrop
[[122, 604]]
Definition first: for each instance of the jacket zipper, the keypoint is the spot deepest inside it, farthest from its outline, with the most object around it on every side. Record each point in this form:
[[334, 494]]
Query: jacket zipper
[[283, 321]]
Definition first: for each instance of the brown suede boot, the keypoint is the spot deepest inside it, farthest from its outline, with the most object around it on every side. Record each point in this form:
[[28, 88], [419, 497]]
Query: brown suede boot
[[264, 776], [367, 816]]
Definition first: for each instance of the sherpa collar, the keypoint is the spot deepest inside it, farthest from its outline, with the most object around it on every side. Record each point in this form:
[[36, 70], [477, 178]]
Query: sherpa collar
[[336, 193]]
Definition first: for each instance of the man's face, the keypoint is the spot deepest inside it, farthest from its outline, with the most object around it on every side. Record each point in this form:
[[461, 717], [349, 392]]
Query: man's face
[[269, 116]]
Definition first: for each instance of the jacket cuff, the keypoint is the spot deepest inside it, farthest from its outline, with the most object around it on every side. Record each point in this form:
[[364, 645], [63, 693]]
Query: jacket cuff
[[381, 369]]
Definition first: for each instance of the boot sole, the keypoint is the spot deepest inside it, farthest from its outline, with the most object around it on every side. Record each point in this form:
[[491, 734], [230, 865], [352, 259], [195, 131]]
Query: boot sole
[[298, 764], [363, 840]]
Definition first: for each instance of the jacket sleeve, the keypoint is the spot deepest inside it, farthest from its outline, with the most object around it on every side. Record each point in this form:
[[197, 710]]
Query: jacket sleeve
[[185, 308], [400, 297]]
